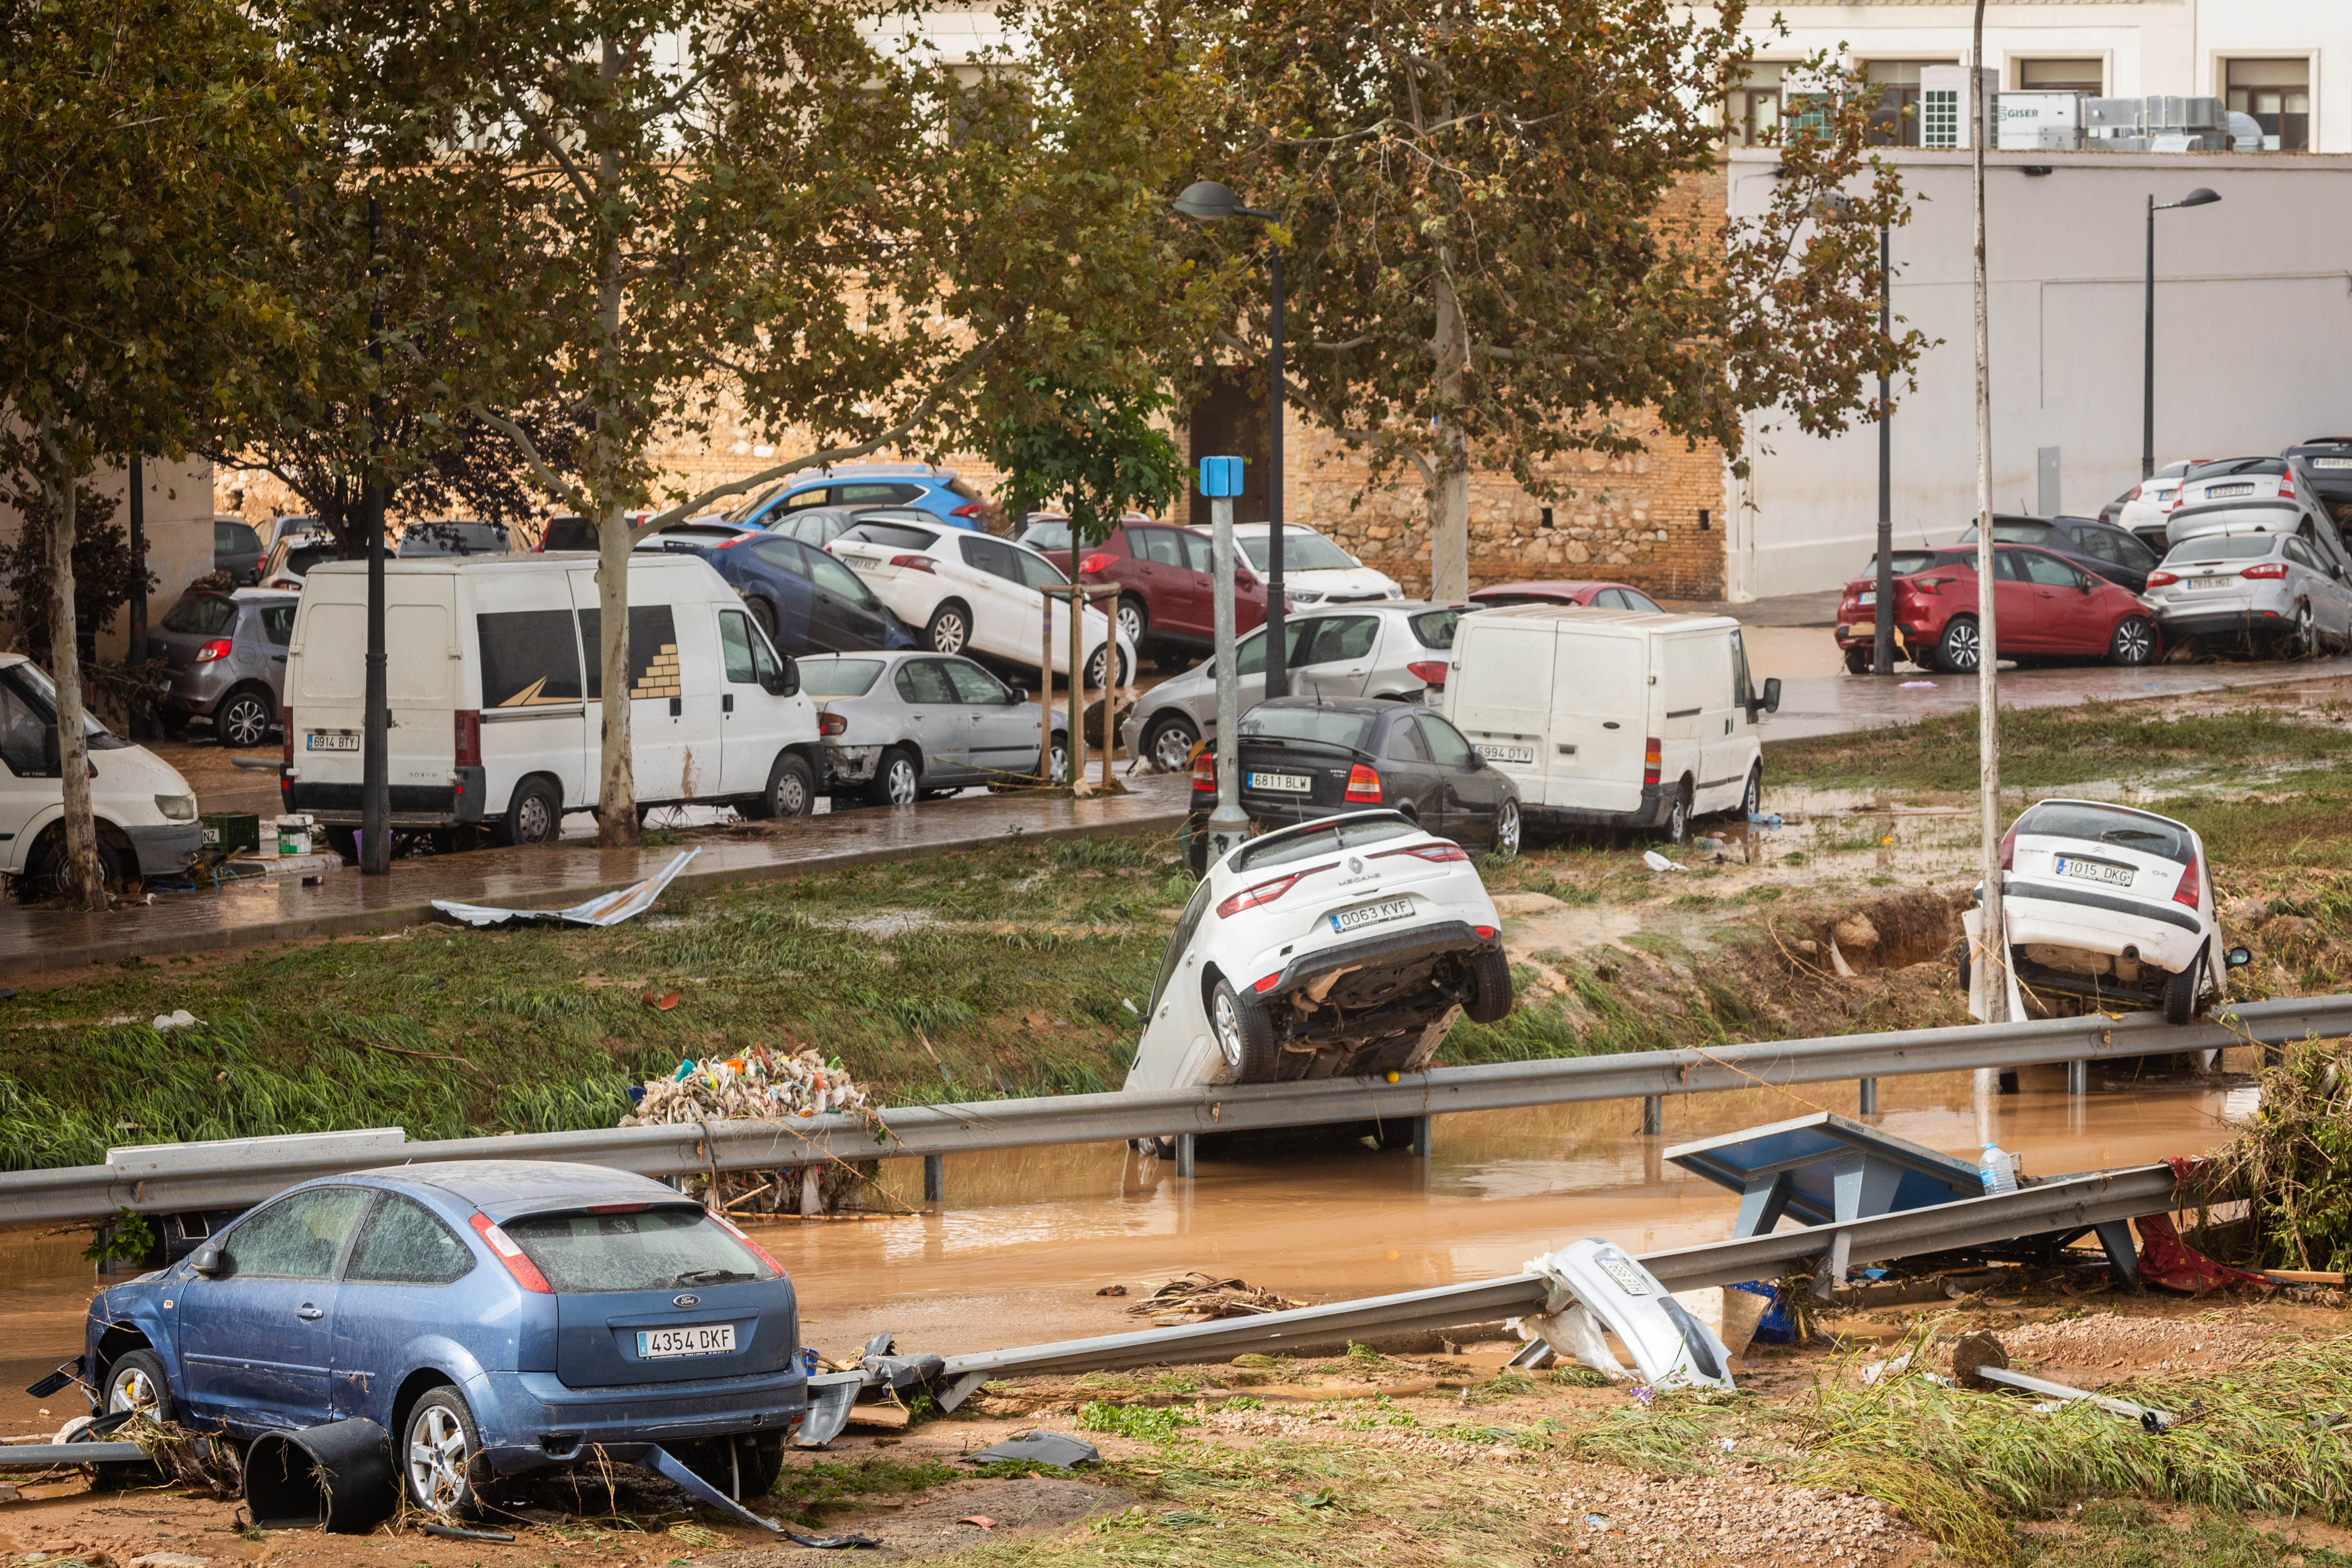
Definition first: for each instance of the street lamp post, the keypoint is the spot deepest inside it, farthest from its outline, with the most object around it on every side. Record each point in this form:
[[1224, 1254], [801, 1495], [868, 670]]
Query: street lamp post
[[2199, 197], [1211, 203]]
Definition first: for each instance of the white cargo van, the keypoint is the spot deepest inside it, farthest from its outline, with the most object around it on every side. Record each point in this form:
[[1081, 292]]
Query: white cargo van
[[494, 685], [146, 812], [1611, 718]]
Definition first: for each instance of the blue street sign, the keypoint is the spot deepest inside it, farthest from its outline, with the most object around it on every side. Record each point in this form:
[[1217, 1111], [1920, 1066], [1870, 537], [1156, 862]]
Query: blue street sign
[[1221, 475]]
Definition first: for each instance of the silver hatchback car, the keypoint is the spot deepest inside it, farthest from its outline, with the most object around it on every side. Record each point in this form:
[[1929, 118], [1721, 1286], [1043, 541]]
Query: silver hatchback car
[[2277, 591], [1399, 648], [226, 656], [898, 726]]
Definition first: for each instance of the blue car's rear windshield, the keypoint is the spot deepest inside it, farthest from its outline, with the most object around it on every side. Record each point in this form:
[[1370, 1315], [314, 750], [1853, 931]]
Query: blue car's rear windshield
[[639, 1249], [2109, 824]]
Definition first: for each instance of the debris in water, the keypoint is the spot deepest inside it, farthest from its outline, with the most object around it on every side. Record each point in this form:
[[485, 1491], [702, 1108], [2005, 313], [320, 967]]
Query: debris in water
[[1201, 1297], [1112, 1290]]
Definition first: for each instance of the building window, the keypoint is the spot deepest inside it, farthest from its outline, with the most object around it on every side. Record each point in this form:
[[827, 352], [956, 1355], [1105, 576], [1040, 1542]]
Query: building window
[[2061, 75], [1895, 87], [2277, 93], [1751, 115]]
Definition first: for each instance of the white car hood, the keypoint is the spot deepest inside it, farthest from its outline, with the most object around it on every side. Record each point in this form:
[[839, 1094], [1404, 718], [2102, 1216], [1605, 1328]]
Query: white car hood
[[1348, 583]]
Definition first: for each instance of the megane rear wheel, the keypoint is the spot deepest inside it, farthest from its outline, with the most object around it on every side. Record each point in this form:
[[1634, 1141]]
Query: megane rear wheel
[[442, 1456], [1244, 1034]]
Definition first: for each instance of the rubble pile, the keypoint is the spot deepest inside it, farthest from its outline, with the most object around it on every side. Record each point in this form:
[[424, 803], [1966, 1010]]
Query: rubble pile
[[759, 1085], [1199, 1298]]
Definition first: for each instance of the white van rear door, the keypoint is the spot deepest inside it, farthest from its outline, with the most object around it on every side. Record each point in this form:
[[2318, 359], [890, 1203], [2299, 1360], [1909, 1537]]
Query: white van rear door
[[1499, 695], [327, 687], [1599, 721], [421, 687]]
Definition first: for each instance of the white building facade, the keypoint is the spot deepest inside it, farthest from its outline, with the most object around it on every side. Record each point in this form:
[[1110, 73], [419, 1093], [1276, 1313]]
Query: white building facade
[[2287, 63], [2254, 344]]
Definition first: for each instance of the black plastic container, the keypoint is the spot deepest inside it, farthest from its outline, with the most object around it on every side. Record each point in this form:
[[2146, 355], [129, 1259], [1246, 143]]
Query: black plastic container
[[339, 1476]]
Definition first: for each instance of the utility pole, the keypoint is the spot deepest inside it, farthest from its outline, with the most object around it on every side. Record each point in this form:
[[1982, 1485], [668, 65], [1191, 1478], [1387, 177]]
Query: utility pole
[[1277, 651], [138, 605], [1882, 659], [1992, 961], [1221, 480], [375, 741]]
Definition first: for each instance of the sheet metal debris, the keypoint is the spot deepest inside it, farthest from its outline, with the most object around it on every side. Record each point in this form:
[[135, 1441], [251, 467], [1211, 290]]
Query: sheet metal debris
[[1058, 1449], [604, 910]]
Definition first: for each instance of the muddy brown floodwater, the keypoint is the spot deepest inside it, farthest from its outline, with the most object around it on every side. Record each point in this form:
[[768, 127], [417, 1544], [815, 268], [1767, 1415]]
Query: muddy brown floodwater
[[1027, 1236]]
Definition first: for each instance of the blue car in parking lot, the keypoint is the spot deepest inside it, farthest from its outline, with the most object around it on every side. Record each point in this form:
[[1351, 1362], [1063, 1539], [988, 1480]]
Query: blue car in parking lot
[[494, 1317]]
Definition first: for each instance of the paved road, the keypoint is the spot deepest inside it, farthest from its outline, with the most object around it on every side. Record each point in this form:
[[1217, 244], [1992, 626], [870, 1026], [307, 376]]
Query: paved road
[[1835, 704], [38, 940]]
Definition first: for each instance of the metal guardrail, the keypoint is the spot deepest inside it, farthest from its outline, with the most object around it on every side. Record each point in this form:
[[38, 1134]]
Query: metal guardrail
[[2065, 1203], [192, 1177]]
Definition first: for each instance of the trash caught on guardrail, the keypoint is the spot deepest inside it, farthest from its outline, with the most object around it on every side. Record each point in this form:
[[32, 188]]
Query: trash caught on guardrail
[[758, 1084]]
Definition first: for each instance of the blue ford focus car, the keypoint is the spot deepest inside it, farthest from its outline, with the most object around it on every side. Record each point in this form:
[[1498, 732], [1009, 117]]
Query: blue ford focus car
[[494, 1318]]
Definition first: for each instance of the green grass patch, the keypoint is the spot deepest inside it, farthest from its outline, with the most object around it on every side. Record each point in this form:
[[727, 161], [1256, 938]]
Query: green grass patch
[[1139, 1421], [2045, 747], [2114, 1533]]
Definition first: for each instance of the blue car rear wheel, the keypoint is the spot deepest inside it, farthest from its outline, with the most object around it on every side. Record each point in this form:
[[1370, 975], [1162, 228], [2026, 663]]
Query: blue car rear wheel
[[441, 1456]]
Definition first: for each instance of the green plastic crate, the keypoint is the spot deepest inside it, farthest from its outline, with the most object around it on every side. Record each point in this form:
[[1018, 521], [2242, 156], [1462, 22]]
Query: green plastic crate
[[231, 832]]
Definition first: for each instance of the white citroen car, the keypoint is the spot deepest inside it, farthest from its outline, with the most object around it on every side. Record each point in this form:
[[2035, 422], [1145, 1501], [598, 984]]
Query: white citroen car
[[971, 593], [1339, 948], [2110, 904], [1314, 570]]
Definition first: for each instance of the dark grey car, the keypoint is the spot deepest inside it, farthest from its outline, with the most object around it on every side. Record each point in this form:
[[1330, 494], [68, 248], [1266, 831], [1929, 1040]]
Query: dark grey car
[[897, 726], [226, 656], [237, 551], [2100, 548]]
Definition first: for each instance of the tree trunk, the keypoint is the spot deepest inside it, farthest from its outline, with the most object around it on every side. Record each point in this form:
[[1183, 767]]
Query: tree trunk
[[1449, 496], [616, 792], [85, 871]]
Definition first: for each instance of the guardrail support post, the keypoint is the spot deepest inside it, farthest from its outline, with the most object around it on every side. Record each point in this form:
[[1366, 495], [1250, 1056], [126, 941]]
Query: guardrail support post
[[1184, 1155], [1654, 1115], [935, 1178], [1421, 1136], [2078, 1079], [1869, 1097]]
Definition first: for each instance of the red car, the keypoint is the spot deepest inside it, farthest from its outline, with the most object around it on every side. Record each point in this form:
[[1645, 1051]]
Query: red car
[[2048, 606], [1591, 596], [1166, 598]]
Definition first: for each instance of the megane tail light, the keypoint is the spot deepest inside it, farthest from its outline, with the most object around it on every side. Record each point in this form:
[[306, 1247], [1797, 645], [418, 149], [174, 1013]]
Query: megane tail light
[[526, 1273], [1429, 852], [1266, 892]]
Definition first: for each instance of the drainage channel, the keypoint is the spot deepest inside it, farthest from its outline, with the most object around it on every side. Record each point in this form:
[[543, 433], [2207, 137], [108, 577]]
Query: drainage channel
[[1035, 1233]]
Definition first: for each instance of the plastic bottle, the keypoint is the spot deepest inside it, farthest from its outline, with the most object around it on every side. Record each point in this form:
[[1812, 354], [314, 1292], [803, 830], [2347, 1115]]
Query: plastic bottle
[[1999, 1168]]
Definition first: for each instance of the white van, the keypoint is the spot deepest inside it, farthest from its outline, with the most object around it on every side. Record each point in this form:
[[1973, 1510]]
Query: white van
[[146, 813], [494, 686], [1611, 718]]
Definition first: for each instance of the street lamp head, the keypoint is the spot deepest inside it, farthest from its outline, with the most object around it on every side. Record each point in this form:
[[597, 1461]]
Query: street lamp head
[[1209, 201], [2200, 198]]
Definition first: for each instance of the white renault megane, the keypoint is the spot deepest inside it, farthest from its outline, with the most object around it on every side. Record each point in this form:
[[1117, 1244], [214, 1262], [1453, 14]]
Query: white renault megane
[[1341, 947]]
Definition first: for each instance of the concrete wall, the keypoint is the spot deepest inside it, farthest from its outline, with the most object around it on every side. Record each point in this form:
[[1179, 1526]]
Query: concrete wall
[[179, 521], [2147, 47], [2253, 306]]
